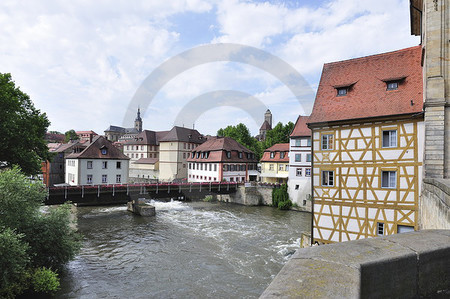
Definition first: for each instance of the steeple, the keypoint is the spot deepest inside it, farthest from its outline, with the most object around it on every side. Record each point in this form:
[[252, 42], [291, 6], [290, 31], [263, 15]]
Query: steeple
[[138, 121], [268, 117]]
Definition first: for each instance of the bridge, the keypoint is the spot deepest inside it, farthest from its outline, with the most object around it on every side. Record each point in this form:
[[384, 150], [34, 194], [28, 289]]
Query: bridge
[[118, 194]]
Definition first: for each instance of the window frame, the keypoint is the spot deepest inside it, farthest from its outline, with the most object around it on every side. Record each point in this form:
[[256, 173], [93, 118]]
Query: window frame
[[389, 179], [89, 165], [323, 173], [329, 145], [395, 83], [390, 139]]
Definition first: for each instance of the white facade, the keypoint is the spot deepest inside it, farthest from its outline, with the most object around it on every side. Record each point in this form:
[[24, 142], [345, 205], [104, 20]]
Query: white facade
[[299, 183], [204, 172], [82, 171]]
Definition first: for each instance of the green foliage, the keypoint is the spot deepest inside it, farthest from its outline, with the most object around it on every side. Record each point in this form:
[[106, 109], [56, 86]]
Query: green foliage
[[45, 281], [14, 261], [241, 134], [43, 239], [208, 198], [279, 134], [70, 135], [280, 198], [22, 128]]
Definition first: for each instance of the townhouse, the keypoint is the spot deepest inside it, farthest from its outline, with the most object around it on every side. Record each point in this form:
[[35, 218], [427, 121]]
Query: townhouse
[[275, 164], [221, 159], [368, 134]]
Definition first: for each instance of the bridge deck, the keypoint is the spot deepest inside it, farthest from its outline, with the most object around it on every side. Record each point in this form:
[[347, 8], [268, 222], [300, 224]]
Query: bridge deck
[[109, 194]]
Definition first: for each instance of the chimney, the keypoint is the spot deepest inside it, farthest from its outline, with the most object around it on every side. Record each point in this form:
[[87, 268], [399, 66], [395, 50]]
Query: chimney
[[90, 138]]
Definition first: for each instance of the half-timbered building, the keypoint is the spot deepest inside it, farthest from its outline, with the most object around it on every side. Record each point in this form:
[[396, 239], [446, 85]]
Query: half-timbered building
[[368, 132]]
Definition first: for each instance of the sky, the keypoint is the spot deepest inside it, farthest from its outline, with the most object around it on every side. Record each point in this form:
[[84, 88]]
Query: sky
[[83, 62]]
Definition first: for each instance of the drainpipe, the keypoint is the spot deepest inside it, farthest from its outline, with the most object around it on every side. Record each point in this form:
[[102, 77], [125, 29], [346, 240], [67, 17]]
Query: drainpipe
[[312, 187]]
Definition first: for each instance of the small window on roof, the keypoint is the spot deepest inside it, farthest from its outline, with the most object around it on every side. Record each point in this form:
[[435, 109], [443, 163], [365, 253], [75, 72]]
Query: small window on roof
[[391, 85], [342, 91]]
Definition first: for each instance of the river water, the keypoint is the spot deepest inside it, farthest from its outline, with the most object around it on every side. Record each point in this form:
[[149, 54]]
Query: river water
[[188, 250]]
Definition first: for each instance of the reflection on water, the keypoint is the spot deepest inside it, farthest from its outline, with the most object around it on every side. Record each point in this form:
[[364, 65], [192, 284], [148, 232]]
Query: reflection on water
[[188, 250]]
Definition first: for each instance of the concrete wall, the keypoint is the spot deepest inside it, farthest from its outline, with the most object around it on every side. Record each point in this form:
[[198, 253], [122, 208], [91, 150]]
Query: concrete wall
[[435, 204], [406, 265]]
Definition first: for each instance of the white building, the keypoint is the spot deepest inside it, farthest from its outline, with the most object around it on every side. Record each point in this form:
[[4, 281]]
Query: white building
[[96, 163], [299, 183], [221, 159]]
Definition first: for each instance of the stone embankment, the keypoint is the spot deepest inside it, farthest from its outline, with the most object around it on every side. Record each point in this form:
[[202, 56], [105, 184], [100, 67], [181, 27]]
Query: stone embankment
[[141, 207], [409, 265]]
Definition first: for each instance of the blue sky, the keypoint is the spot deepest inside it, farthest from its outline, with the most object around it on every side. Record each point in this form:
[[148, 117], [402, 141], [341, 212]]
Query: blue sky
[[82, 61]]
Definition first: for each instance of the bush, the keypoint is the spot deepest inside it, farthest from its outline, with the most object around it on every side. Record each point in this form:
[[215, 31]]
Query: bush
[[45, 281], [30, 239], [280, 198], [208, 198], [14, 261]]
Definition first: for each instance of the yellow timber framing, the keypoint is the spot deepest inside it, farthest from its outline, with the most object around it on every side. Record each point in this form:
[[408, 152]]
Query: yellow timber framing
[[358, 159]]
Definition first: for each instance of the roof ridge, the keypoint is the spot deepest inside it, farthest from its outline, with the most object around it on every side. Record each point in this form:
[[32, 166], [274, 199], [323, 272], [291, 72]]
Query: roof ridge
[[372, 55]]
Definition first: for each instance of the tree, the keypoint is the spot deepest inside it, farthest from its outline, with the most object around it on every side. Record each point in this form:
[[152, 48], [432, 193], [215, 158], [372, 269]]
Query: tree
[[47, 238], [70, 135], [22, 128], [241, 134], [279, 134]]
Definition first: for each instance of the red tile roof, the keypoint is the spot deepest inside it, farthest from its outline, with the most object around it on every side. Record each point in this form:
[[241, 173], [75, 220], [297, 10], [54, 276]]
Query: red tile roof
[[277, 149], [367, 96], [147, 161], [300, 128], [217, 148], [93, 150]]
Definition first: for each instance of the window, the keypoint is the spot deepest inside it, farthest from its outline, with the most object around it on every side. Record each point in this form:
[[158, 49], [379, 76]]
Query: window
[[215, 167], [390, 138], [392, 85], [271, 167], [388, 179], [132, 155], [190, 165], [342, 91], [308, 141], [104, 151], [327, 141], [328, 178], [118, 165], [104, 164], [142, 147], [184, 165], [89, 179], [298, 157], [142, 155], [298, 172], [210, 167], [297, 142], [184, 155], [380, 228], [89, 164], [201, 166], [308, 172], [282, 155], [104, 178], [228, 155], [308, 157], [296, 187], [198, 155], [280, 167], [240, 155], [272, 155], [118, 178], [184, 145], [287, 168], [203, 155]]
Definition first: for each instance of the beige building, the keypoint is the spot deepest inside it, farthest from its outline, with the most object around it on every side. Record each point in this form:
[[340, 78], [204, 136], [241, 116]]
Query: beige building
[[275, 164], [174, 149], [143, 151]]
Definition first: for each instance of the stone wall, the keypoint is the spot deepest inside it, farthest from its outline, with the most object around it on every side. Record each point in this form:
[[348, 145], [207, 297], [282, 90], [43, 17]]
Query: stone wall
[[409, 265], [249, 196], [435, 204]]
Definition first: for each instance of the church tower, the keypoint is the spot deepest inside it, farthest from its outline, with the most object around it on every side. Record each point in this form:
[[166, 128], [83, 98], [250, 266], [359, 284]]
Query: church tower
[[138, 121], [268, 117]]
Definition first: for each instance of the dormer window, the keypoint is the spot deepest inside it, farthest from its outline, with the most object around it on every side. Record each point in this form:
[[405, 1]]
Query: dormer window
[[342, 91], [203, 155], [282, 155], [272, 155], [228, 155], [240, 155], [392, 85], [198, 155], [104, 150]]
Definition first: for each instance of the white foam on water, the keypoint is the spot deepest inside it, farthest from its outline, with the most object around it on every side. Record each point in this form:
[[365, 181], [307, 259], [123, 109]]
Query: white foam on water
[[173, 205]]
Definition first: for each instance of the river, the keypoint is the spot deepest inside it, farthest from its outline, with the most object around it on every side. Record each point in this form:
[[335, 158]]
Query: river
[[188, 250]]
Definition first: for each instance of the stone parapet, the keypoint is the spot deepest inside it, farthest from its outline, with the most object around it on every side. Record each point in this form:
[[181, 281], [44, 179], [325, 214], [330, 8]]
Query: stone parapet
[[409, 265], [435, 204]]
